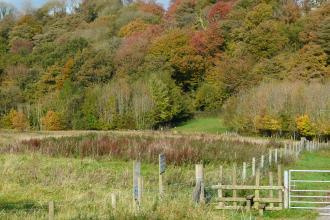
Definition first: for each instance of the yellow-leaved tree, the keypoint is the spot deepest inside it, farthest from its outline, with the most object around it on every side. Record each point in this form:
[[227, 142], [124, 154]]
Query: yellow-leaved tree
[[305, 126], [267, 123], [17, 120], [52, 121]]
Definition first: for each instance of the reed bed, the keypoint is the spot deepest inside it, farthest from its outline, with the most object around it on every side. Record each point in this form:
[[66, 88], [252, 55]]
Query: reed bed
[[178, 151]]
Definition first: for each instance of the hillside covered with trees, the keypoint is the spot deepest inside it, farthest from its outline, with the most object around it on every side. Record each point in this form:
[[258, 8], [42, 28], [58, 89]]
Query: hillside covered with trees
[[112, 64]]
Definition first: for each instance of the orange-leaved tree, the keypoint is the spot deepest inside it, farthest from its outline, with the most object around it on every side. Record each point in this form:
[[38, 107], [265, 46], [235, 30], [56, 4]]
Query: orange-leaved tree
[[52, 121]]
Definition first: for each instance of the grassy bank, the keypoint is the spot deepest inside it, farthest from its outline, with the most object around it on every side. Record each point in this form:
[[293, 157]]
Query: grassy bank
[[212, 125]]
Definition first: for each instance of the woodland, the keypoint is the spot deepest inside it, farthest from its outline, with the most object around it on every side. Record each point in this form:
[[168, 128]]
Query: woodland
[[263, 65]]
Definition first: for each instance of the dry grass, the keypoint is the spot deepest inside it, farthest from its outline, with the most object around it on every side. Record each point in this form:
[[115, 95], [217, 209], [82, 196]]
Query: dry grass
[[178, 150]]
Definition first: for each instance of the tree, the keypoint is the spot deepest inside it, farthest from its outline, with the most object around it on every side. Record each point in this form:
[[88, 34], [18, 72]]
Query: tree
[[220, 10], [16, 120], [52, 121], [172, 52], [133, 27], [168, 102], [323, 34], [309, 63], [93, 66], [267, 124], [266, 39], [182, 13], [208, 42], [305, 127]]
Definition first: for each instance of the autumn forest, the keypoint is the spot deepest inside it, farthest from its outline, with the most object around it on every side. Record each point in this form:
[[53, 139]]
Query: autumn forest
[[263, 65]]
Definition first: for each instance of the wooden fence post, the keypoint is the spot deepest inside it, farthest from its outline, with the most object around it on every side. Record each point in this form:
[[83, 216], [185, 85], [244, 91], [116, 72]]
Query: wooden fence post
[[279, 183], [140, 191], [220, 183], [113, 200], [200, 182], [275, 156], [244, 171], [262, 161], [253, 166], [286, 189], [51, 210], [162, 164], [136, 176], [257, 192], [234, 183], [270, 157], [271, 193]]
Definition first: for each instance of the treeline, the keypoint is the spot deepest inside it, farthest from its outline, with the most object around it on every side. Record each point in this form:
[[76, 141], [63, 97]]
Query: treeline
[[287, 109], [96, 64]]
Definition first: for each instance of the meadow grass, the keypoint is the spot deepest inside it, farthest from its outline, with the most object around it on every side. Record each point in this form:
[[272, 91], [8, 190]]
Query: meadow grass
[[73, 172], [212, 125]]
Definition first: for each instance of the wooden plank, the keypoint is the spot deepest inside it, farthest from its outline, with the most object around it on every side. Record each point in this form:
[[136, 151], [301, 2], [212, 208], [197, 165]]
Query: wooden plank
[[243, 199], [268, 200], [230, 207], [231, 199], [273, 209], [247, 187]]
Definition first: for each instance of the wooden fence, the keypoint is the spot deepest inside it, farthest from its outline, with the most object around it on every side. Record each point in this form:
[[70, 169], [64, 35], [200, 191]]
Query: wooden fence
[[256, 200]]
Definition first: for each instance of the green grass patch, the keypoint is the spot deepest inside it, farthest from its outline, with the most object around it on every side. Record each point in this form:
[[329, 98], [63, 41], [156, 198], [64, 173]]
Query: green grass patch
[[212, 125]]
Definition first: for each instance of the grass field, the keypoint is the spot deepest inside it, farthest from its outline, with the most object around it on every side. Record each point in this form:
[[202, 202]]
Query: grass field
[[212, 125], [80, 173]]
